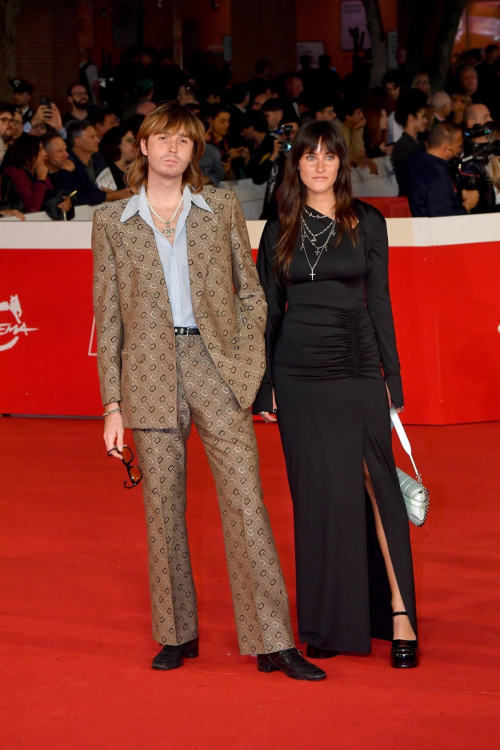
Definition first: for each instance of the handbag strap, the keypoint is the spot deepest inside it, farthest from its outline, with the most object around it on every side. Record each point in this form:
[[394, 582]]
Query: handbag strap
[[398, 425]]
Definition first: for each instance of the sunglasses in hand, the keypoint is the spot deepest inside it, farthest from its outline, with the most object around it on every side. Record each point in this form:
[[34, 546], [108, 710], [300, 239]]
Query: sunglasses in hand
[[134, 472]]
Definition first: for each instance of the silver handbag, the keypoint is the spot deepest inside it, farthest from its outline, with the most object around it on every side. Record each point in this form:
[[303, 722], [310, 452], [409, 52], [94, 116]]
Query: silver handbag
[[415, 495]]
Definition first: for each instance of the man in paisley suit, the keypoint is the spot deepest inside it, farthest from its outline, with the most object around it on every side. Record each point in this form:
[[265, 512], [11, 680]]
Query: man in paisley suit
[[180, 318]]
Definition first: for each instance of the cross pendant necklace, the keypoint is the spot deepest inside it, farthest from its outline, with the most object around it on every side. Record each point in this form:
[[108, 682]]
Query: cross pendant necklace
[[168, 231], [312, 274]]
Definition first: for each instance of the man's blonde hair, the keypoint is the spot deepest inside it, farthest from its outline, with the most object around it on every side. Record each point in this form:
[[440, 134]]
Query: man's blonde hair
[[170, 117]]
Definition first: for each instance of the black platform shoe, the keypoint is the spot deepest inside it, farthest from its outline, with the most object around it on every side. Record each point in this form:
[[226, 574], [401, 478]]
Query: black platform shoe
[[404, 654], [312, 652], [291, 663], [172, 657]]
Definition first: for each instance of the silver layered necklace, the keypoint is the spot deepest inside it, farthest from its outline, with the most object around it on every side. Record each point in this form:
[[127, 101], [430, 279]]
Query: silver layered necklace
[[319, 240], [168, 231]]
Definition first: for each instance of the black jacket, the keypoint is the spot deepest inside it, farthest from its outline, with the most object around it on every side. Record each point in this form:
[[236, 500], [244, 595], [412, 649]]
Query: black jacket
[[432, 192], [405, 148]]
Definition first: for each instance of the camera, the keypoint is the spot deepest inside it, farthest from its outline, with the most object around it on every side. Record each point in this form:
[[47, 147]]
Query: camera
[[284, 132], [476, 131], [474, 161]]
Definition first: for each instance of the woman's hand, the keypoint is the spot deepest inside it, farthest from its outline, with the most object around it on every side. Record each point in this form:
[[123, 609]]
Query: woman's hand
[[41, 167], [66, 205], [113, 430], [13, 212], [401, 408], [267, 416]]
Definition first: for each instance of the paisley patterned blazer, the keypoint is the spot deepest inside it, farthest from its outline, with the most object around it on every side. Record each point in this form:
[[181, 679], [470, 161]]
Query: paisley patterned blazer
[[134, 323]]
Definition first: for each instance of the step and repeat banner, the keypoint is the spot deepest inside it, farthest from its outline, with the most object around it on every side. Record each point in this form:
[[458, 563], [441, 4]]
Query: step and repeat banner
[[445, 281]]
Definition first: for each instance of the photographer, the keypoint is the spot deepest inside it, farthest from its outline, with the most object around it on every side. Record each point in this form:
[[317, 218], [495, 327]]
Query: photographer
[[473, 169], [270, 169], [493, 168], [432, 192]]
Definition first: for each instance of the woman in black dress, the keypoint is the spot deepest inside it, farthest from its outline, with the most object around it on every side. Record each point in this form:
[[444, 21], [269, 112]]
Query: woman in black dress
[[330, 332]]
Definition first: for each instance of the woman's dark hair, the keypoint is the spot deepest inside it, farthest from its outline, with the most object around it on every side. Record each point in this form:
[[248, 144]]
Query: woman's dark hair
[[409, 103], [24, 152], [110, 142], [292, 192], [214, 110]]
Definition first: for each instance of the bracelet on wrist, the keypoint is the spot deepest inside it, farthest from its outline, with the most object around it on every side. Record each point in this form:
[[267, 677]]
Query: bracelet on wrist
[[111, 411]]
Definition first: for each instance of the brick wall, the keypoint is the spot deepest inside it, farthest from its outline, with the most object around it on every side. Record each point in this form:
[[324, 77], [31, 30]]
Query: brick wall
[[47, 48]]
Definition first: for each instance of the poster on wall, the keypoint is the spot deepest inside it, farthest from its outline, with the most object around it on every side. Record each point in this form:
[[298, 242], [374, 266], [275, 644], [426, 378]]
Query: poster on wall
[[313, 49], [352, 17]]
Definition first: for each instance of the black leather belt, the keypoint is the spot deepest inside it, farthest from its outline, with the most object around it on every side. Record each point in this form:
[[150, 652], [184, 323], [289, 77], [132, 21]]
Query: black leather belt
[[180, 331]]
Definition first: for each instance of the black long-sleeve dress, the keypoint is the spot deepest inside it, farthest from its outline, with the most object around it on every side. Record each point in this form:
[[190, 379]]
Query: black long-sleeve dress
[[327, 340]]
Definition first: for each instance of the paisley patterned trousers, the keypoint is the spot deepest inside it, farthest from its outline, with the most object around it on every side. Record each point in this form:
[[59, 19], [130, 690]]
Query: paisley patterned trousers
[[259, 596]]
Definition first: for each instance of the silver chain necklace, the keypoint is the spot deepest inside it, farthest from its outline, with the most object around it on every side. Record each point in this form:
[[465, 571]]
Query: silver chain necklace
[[307, 234], [318, 216], [168, 231]]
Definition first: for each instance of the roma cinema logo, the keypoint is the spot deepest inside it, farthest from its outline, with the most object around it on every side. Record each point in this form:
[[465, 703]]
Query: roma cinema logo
[[11, 330]]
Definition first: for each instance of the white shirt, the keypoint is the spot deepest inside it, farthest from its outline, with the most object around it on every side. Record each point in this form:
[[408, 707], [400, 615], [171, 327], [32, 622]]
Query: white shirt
[[394, 129], [174, 258]]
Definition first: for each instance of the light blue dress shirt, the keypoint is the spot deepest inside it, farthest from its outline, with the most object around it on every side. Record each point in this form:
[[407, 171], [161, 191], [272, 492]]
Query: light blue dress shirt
[[174, 258]]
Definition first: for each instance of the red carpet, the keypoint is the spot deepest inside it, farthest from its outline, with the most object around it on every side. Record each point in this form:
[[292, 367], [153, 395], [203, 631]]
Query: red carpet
[[75, 611]]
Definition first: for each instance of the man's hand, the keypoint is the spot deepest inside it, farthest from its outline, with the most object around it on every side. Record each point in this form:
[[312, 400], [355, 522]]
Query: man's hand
[[43, 114], [55, 120], [113, 429], [277, 149], [470, 199]]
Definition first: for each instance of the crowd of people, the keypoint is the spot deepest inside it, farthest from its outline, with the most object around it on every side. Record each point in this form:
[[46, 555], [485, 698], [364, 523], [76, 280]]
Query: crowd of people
[[52, 161]]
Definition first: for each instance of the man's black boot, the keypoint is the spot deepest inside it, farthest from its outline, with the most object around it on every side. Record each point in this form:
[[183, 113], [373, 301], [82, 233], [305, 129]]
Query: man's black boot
[[291, 663], [172, 657]]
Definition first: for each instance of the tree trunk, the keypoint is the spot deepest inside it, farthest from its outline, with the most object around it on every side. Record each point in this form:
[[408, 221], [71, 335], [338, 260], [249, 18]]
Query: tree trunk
[[378, 39], [9, 10], [445, 41]]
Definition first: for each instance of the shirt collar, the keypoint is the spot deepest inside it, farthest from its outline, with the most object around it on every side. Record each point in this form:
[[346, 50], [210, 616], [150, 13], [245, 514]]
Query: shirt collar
[[437, 160], [138, 204]]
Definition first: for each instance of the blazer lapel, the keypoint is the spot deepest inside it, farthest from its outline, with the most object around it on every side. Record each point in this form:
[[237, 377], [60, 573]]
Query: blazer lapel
[[198, 237], [147, 259]]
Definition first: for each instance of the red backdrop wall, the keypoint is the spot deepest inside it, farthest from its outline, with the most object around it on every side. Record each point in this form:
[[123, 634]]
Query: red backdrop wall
[[446, 308]]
